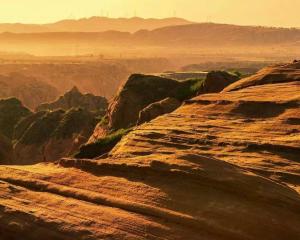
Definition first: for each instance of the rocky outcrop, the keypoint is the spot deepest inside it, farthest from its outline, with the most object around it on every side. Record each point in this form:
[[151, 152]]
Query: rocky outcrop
[[157, 109], [75, 99], [137, 93], [11, 112], [142, 90], [29, 90], [48, 136]]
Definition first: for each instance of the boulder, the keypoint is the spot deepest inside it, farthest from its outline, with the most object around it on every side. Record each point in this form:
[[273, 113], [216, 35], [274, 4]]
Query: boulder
[[216, 81], [158, 108]]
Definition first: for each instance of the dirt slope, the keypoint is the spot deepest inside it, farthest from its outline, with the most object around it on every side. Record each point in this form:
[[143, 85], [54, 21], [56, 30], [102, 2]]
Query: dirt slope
[[223, 166]]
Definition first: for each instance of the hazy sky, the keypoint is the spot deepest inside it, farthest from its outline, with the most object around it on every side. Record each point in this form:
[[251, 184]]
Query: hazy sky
[[246, 12]]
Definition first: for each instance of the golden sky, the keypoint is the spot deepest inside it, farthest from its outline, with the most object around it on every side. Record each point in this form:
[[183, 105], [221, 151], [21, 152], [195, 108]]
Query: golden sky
[[244, 12]]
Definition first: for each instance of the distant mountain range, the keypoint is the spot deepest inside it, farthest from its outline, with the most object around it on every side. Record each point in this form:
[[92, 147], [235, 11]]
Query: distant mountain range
[[212, 34], [202, 34], [199, 36], [94, 24]]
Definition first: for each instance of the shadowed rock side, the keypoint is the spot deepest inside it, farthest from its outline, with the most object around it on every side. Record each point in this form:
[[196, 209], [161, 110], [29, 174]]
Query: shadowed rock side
[[6, 150], [164, 179], [11, 112], [48, 136]]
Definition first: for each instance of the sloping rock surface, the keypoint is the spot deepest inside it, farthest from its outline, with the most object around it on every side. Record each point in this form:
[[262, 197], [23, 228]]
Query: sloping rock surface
[[222, 167], [273, 74]]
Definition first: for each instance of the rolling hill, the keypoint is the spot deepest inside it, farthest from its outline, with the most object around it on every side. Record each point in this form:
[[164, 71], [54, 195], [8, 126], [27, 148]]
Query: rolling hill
[[94, 24]]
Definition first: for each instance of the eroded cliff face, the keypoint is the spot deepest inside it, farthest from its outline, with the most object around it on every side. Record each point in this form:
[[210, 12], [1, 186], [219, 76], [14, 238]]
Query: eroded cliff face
[[48, 136], [138, 92], [222, 166], [75, 99]]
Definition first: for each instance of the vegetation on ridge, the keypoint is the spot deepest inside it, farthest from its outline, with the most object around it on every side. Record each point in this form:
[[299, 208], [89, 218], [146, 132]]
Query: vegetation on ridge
[[102, 145]]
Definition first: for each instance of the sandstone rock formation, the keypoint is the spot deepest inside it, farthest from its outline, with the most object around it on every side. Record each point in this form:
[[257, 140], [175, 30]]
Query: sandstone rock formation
[[157, 109], [48, 136], [75, 99], [223, 166], [11, 112], [142, 90], [28, 89], [137, 93]]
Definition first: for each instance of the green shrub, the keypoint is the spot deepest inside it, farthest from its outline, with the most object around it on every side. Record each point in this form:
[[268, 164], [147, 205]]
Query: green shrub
[[102, 146], [189, 89]]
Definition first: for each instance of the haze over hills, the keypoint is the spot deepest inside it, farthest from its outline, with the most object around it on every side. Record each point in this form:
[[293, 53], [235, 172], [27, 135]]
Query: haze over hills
[[94, 24], [201, 37]]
